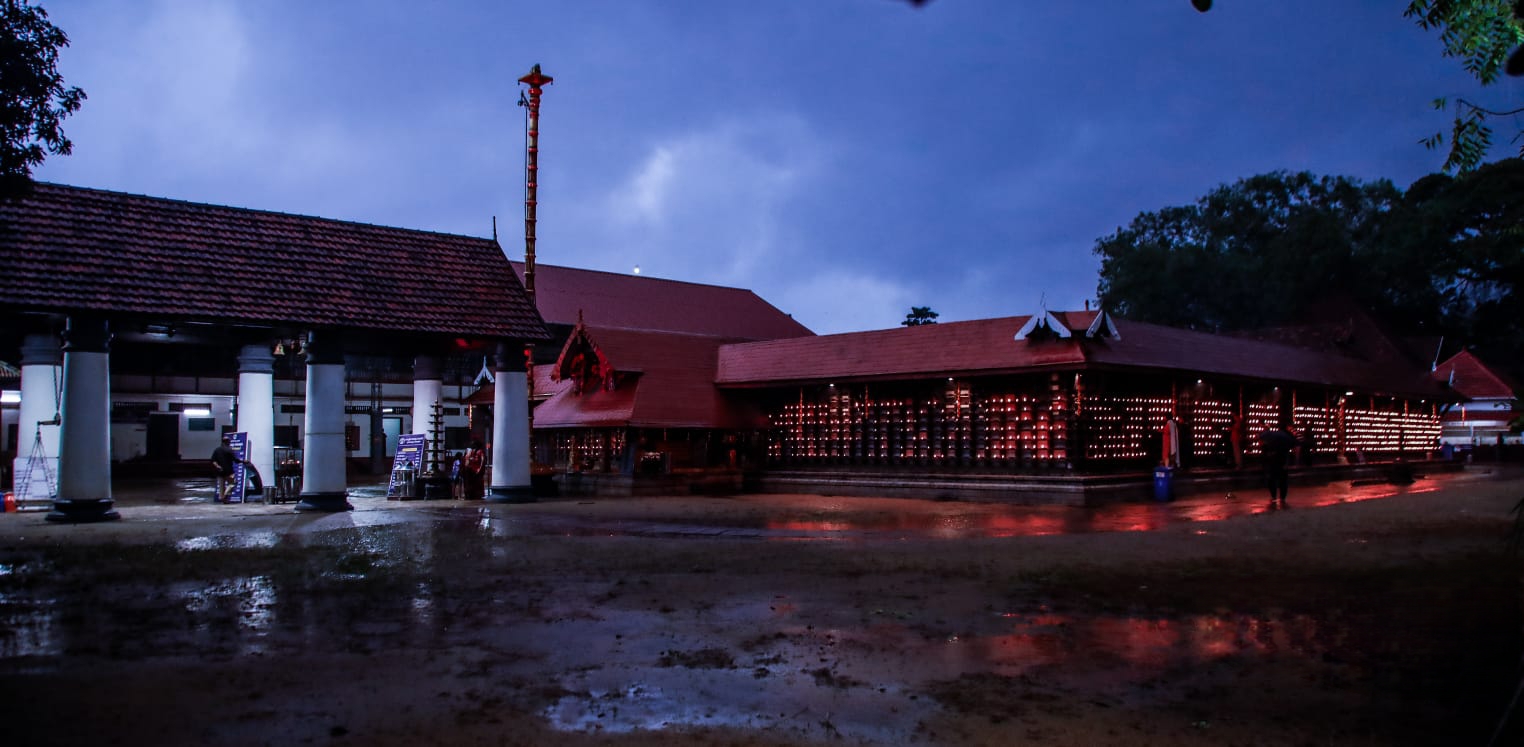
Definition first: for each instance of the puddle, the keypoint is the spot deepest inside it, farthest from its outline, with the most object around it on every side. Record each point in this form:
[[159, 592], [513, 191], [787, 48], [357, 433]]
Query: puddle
[[243, 540]]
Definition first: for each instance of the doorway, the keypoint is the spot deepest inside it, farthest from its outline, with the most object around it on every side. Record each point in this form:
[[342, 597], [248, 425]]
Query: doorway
[[164, 436], [392, 427]]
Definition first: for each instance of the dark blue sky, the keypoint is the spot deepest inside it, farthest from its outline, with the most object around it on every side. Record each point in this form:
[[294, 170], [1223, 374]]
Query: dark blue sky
[[846, 159]]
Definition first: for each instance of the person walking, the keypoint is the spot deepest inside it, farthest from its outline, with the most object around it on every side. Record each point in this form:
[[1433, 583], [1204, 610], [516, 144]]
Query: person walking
[[1276, 447]]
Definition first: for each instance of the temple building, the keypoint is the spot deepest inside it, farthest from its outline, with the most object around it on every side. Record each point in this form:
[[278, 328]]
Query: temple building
[[148, 327], [332, 338], [1484, 420], [1065, 407]]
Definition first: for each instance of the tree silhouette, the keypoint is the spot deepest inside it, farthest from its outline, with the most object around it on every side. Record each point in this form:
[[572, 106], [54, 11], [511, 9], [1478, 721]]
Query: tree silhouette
[[918, 316], [33, 99]]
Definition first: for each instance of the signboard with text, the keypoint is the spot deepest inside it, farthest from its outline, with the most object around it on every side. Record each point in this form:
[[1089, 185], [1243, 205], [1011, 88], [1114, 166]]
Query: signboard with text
[[239, 443], [406, 464]]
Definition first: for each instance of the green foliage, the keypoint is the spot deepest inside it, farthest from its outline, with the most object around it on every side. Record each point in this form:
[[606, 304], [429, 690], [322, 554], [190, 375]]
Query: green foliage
[[33, 99], [1447, 256], [1480, 33], [920, 315], [1245, 255], [1444, 257]]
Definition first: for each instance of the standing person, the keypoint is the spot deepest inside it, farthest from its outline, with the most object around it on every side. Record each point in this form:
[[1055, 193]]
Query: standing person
[[473, 466], [1170, 433], [1236, 441], [1277, 445], [223, 461]]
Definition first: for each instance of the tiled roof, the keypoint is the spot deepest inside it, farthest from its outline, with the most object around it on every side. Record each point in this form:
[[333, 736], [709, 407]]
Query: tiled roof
[[951, 348], [987, 347], [69, 250], [669, 383], [1153, 346], [1474, 379], [607, 299]]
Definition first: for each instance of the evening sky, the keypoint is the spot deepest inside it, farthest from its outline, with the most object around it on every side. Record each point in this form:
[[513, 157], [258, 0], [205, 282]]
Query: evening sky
[[845, 159]]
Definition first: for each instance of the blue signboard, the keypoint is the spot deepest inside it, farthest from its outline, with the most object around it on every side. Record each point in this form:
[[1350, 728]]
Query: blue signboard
[[406, 464], [239, 442]]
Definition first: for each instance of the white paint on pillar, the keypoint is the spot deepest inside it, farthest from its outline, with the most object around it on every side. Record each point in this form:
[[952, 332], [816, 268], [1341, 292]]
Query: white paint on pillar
[[510, 430], [425, 393], [41, 382], [256, 407], [324, 456], [84, 449]]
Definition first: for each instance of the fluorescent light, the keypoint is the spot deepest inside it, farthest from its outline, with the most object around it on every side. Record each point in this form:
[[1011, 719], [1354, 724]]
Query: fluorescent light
[[197, 412], [10, 397]]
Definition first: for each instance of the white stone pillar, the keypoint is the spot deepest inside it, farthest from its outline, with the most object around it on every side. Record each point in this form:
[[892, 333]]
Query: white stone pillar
[[428, 388], [84, 438], [324, 456], [256, 407], [510, 431], [41, 395]]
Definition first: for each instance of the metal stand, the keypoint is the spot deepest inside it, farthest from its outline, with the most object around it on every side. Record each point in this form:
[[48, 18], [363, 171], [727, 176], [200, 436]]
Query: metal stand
[[38, 458]]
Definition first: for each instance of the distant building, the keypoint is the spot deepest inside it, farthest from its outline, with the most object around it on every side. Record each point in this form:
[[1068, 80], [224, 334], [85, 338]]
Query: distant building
[[1491, 403]]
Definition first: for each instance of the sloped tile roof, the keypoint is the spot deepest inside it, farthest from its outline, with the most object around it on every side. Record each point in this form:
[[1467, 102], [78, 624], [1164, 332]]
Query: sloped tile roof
[[70, 250], [1143, 345], [947, 349], [607, 299], [987, 347], [668, 383], [1472, 378]]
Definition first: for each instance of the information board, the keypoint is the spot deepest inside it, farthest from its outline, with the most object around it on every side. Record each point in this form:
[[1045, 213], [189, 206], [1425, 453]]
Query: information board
[[406, 464]]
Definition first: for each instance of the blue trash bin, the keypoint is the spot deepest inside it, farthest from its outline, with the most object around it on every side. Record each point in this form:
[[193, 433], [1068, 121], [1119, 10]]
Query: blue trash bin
[[1164, 483]]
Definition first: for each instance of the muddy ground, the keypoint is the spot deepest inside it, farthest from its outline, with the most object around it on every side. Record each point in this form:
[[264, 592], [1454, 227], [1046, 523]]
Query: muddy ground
[[767, 621]]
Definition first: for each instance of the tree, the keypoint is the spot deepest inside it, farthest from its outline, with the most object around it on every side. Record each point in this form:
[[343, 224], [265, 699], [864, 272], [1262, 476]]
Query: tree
[[1465, 234], [1445, 257], [1247, 254], [33, 99], [918, 316], [1481, 33]]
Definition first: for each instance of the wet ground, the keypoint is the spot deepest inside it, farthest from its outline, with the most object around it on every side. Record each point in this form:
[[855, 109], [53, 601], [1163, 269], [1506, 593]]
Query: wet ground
[[1364, 614]]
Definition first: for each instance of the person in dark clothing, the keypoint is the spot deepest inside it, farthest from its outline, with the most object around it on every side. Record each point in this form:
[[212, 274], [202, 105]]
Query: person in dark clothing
[[223, 461], [1277, 445], [473, 467]]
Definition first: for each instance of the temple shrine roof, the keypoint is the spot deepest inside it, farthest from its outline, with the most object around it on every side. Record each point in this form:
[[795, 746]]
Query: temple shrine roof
[[71, 250], [608, 299], [1472, 378], [647, 379], [992, 347]]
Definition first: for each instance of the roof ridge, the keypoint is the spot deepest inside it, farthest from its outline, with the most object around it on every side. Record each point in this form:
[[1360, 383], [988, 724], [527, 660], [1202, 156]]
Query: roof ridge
[[518, 264]]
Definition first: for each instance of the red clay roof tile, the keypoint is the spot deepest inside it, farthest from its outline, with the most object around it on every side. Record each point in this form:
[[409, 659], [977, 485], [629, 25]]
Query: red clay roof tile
[[71, 250], [987, 347], [669, 383], [566, 295]]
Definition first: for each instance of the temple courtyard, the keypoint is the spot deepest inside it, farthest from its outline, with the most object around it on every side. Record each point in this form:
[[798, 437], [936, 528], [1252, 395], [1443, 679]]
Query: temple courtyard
[[1366, 613]]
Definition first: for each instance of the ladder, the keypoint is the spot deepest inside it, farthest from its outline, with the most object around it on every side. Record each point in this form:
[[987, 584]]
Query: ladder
[[38, 458]]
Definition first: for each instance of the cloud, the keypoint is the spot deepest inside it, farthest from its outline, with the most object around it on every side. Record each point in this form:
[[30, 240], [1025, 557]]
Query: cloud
[[707, 205], [645, 198], [843, 300]]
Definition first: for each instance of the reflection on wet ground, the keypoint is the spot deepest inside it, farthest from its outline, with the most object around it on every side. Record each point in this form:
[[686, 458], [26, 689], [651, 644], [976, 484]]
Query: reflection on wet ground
[[807, 517], [789, 659]]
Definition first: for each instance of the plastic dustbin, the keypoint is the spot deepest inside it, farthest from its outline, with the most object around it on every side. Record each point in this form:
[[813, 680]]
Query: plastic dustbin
[[1164, 483]]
